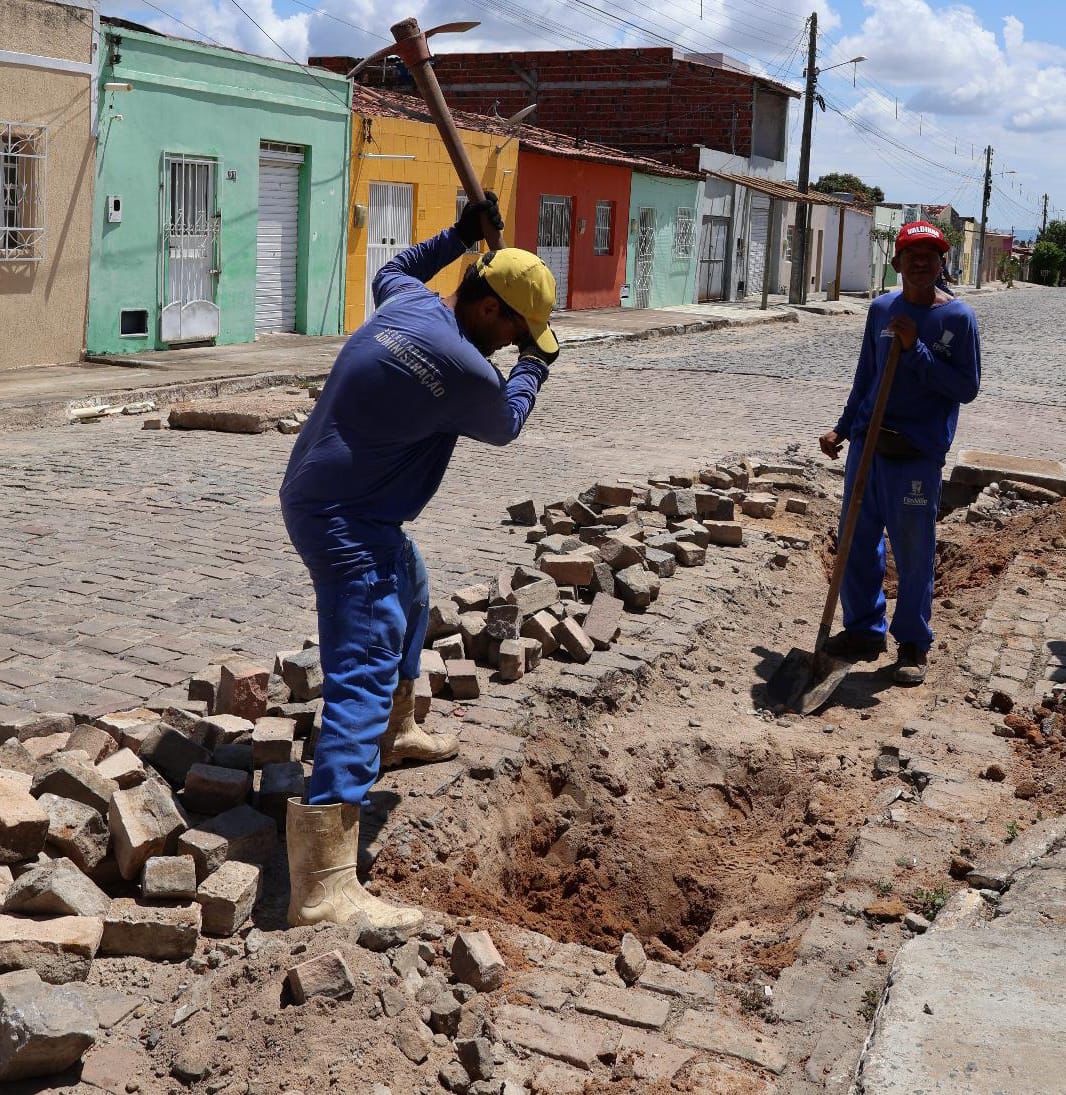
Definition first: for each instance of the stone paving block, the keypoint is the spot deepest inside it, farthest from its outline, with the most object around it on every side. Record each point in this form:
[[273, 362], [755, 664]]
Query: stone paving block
[[451, 647], [242, 690], [691, 555], [690, 531], [272, 741], [169, 878], [532, 651], [205, 684], [651, 1056], [15, 757], [476, 961], [228, 896], [532, 597], [75, 830], [39, 748], [472, 598], [172, 753], [462, 679], [541, 627], [277, 784], [576, 1043], [523, 512], [325, 975], [619, 551], [70, 776], [435, 670], [210, 789], [124, 767], [60, 948], [241, 833], [613, 494], [159, 932], [671, 981], [55, 888], [679, 503], [44, 1029], [503, 622], [636, 587], [571, 637], [23, 822], [43, 725], [95, 743], [512, 660], [717, 1033], [725, 533], [574, 569], [145, 821], [628, 1006], [443, 621], [302, 672], [603, 621]]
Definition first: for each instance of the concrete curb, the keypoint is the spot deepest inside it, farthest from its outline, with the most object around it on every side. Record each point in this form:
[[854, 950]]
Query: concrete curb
[[53, 412]]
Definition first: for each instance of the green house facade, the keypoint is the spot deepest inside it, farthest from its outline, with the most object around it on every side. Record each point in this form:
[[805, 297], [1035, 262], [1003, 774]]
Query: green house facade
[[220, 196], [663, 237]]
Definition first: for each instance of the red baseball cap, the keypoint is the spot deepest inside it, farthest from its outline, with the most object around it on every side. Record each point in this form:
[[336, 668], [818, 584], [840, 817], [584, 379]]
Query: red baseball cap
[[922, 232]]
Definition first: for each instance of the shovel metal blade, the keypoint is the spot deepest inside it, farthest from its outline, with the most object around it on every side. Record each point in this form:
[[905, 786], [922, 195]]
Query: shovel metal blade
[[805, 681]]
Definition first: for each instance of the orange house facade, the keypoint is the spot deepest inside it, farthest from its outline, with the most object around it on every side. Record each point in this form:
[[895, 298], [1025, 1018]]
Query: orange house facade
[[575, 215]]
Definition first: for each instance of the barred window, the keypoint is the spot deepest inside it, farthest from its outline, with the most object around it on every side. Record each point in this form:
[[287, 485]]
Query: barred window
[[461, 202], [603, 242], [790, 237], [683, 228], [22, 159]]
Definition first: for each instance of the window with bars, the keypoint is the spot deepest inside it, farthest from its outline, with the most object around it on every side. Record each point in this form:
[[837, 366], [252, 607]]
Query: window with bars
[[22, 162], [603, 243], [683, 231], [790, 237], [461, 202]]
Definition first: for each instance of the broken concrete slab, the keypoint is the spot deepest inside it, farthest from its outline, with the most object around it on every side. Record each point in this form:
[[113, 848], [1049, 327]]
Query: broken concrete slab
[[631, 1007], [972, 1010], [563, 1040], [717, 1033], [977, 468]]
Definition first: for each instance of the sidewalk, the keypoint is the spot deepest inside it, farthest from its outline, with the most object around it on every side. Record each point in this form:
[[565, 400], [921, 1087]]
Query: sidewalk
[[42, 395]]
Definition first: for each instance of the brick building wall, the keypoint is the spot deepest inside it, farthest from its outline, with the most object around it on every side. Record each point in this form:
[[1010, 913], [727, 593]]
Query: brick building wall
[[641, 100]]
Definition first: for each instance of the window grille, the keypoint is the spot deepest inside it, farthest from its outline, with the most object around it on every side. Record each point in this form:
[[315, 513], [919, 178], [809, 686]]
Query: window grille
[[790, 236], [683, 233], [604, 215], [22, 163], [461, 202]]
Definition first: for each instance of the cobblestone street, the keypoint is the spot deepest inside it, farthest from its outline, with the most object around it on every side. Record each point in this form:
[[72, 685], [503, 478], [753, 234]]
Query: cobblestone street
[[130, 559]]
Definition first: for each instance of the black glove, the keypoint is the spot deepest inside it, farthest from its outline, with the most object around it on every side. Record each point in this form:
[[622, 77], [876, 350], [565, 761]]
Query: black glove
[[531, 349], [469, 224]]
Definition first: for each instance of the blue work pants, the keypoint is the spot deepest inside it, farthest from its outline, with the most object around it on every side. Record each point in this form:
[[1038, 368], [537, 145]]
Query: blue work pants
[[373, 610], [902, 497]]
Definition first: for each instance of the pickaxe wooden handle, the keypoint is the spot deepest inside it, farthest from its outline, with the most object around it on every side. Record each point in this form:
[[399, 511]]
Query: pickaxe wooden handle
[[413, 49]]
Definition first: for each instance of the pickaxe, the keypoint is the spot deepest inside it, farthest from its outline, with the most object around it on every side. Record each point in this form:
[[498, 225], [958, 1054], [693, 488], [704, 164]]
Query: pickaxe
[[413, 50]]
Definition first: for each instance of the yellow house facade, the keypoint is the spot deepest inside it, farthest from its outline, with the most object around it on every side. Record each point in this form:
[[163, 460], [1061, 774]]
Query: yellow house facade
[[404, 189]]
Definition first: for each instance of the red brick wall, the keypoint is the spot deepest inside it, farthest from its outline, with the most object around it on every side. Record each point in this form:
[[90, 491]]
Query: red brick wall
[[696, 104], [595, 280]]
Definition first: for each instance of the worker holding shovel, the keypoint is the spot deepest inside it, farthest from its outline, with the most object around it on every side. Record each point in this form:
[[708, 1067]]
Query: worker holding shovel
[[939, 368], [411, 381]]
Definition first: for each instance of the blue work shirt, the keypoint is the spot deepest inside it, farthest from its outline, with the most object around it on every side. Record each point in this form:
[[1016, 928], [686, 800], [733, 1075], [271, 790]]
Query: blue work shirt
[[940, 372], [402, 391]]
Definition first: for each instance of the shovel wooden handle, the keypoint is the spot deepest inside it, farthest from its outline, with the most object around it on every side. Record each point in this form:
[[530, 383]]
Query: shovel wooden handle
[[858, 488], [415, 54]]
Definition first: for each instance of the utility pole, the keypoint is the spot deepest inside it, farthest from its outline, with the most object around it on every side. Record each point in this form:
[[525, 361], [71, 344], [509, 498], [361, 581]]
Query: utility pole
[[799, 239], [1043, 227], [984, 213]]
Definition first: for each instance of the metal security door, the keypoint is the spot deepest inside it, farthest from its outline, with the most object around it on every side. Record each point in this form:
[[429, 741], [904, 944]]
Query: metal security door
[[758, 242], [277, 237], [645, 263], [553, 243], [389, 227], [190, 250], [713, 242]]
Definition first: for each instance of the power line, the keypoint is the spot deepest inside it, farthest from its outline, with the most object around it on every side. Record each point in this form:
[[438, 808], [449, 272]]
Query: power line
[[337, 19]]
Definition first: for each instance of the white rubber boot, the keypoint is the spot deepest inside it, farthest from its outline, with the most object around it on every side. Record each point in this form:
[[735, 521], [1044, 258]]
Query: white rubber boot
[[323, 843], [406, 740]]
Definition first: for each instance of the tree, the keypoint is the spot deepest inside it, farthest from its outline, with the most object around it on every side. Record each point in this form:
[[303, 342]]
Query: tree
[[953, 235], [1047, 260], [837, 182], [1054, 233]]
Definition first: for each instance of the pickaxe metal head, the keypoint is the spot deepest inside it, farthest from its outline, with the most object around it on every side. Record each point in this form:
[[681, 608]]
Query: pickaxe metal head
[[390, 51]]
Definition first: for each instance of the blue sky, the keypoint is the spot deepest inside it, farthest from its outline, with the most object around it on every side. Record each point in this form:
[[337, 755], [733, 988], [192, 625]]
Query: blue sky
[[940, 79]]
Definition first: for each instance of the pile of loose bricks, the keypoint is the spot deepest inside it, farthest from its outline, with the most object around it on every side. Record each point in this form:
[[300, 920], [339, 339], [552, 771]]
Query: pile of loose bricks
[[598, 554]]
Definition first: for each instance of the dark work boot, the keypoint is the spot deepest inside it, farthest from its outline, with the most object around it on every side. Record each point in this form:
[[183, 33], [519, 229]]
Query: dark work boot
[[856, 645], [910, 664]]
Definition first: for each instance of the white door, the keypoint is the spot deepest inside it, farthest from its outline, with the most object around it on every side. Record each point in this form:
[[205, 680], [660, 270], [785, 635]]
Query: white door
[[190, 250], [645, 264], [389, 227], [553, 243], [277, 239], [758, 242]]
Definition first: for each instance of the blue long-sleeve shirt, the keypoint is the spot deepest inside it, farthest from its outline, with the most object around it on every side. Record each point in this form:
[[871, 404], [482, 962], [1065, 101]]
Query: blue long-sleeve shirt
[[940, 372], [402, 391]]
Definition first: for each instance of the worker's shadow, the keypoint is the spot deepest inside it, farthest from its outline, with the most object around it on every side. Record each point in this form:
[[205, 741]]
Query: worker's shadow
[[859, 690]]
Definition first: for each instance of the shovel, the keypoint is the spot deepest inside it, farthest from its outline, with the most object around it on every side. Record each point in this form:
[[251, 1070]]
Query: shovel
[[803, 682]]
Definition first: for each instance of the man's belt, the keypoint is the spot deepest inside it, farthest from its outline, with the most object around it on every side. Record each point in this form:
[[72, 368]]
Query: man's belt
[[892, 445]]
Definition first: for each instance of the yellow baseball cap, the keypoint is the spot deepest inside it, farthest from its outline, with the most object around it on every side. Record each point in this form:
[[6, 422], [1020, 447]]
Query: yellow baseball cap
[[524, 283]]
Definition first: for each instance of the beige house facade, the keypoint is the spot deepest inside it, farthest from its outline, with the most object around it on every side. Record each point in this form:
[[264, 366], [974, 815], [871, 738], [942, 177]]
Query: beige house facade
[[48, 96]]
